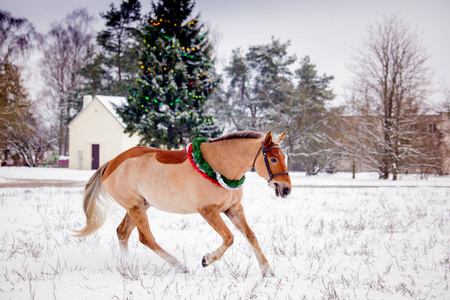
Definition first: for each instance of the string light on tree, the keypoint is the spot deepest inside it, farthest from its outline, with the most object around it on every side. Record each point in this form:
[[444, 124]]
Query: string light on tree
[[167, 104]]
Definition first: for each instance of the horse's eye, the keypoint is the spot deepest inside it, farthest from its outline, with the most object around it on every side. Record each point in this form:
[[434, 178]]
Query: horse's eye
[[274, 160]]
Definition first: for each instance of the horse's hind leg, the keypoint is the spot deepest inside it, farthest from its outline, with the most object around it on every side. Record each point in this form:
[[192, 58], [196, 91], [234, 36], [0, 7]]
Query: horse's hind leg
[[236, 215], [139, 216], [212, 216], [124, 231]]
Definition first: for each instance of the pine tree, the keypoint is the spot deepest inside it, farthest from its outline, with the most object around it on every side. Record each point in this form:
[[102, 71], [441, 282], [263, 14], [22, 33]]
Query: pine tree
[[263, 94], [119, 45], [95, 78], [166, 107], [312, 126], [254, 77]]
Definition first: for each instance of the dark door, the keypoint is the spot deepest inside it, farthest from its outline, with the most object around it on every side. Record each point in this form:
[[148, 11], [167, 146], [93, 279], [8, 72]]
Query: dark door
[[95, 157]]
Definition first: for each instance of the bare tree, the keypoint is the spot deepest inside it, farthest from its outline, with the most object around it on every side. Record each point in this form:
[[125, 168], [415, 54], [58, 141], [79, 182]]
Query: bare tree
[[445, 104], [64, 48], [17, 38], [391, 84], [30, 141], [444, 129]]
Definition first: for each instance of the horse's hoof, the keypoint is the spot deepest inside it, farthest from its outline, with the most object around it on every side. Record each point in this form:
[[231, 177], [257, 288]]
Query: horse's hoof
[[181, 269], [204, 264], [268, 272]]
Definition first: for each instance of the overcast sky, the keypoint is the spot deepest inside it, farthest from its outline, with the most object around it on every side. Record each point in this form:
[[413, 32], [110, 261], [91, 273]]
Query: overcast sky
[[329, 31]]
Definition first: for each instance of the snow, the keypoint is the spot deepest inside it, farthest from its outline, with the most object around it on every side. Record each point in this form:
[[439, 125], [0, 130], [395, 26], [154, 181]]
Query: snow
[[298, 179], [333, 238], [10, 174]]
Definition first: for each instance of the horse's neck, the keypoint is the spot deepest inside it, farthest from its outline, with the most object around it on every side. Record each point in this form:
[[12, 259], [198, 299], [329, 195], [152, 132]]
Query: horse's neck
[[231, 158]]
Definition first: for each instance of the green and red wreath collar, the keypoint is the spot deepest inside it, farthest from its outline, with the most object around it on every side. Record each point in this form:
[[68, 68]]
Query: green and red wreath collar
[[201, 165]]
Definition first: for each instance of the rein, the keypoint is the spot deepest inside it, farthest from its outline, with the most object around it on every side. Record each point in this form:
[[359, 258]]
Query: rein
[[264, 150]]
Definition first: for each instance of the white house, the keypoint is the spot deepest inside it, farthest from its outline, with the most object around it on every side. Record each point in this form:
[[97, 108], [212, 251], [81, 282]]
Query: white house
[[96, 133]]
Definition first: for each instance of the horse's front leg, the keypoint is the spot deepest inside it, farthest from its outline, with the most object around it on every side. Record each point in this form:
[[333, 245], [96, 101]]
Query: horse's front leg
[[236, 214], [212, 215]]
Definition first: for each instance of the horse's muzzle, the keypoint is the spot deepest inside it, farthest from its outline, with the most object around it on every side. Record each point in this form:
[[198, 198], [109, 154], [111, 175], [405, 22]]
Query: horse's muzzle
[[282, 189]]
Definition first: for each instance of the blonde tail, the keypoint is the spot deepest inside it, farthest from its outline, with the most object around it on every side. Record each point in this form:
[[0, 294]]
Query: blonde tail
[[94, 205]]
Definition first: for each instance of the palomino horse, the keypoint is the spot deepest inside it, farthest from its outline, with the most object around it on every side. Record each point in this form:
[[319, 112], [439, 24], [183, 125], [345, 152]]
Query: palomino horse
[[206, 179]]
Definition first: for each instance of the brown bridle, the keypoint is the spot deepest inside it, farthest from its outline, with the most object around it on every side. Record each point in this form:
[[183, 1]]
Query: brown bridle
[[264, 150]]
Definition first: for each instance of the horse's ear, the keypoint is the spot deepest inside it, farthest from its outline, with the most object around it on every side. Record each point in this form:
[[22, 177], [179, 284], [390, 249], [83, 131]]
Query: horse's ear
[[282, 137], [269, 139]]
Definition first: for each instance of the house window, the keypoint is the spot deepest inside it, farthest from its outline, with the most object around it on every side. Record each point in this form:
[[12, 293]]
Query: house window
[[432, 128]]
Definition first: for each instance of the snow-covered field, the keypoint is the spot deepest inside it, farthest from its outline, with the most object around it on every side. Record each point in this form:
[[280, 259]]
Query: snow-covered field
[[333, 238]]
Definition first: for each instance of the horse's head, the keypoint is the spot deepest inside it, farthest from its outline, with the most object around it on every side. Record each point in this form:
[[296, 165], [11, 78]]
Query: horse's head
[[270, 164]]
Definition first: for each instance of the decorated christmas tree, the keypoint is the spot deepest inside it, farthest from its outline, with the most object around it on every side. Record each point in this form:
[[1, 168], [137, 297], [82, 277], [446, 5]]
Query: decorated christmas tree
[[166, 106]]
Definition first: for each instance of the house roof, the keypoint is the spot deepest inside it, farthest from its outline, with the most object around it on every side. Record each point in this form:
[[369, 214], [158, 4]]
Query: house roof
[[110, 103]]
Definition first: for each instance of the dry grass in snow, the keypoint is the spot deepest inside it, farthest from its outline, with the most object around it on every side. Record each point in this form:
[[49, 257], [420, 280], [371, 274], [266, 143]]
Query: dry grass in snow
[[322, 242]]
